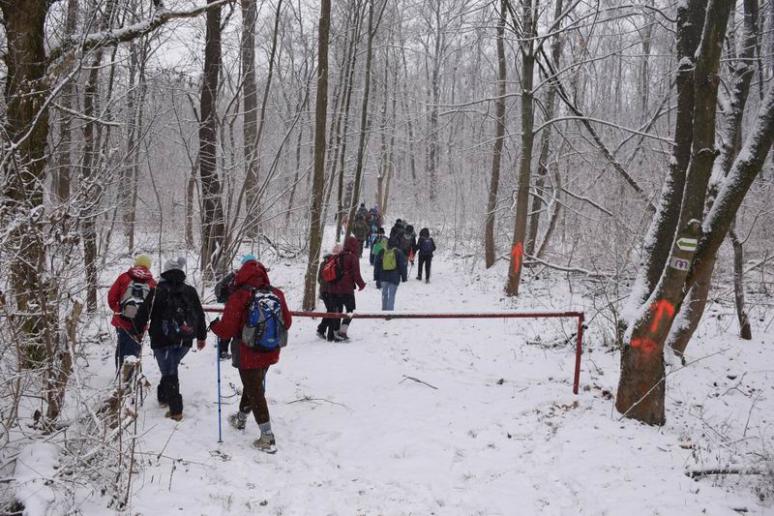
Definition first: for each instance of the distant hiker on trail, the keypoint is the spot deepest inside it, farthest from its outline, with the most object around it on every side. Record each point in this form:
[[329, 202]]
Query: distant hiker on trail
[[389, 271], [379, 242], [258, 315], [362, 211], [327, 327], [360, 230], [176, 318], [343, 290], [374, 221], [425, 249], [124, 298], [223, 289], [409, 243]]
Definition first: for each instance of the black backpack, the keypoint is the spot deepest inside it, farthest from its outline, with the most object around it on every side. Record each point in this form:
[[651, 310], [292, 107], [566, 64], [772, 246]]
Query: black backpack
[[224, 288], [178, 322]]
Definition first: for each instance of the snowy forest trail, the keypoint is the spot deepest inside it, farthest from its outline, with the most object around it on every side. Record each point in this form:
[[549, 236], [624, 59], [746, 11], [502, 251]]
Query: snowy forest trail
[[495, 428]]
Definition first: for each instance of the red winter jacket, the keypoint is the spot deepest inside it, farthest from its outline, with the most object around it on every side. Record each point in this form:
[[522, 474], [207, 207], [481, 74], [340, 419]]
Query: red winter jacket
[[351, 265], [252, 275], [115, 293]]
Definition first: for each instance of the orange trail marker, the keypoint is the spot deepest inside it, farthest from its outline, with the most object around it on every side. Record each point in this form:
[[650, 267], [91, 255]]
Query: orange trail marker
[[661, 307], [517, 252]]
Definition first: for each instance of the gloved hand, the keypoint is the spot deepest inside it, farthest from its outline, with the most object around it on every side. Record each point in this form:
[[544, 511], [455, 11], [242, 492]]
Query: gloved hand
[[361, 288], [214, 321], [200, 344], [378, 285]]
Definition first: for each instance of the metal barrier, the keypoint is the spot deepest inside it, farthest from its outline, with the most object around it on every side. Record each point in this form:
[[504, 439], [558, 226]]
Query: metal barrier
[[462, 315]]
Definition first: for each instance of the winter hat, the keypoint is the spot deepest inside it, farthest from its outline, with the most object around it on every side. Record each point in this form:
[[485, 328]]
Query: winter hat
[[380, 231], [142, 260], [175, 263], [248, 258], [337, 249]]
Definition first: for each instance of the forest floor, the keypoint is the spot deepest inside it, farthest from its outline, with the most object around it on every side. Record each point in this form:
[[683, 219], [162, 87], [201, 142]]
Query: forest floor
[[495, 429]]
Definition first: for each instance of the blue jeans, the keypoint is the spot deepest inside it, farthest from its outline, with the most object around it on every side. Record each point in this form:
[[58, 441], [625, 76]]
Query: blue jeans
[[388, 295], [126, 346], [169, 358]]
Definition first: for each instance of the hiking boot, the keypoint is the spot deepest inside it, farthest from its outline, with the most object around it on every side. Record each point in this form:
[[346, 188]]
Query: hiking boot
[[427, 280], [238, 420], [224, 355], [419, 278], [321, 334], [175, 417], [341, 336], [265, 443], [334, 338]]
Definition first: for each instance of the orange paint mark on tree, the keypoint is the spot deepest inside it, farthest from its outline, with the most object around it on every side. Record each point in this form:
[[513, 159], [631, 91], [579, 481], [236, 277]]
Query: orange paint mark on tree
[[644, 344], [517, 252], [661, 308]]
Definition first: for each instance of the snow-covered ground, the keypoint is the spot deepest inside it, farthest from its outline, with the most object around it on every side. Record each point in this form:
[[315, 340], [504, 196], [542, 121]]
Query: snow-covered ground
[[495, 428]]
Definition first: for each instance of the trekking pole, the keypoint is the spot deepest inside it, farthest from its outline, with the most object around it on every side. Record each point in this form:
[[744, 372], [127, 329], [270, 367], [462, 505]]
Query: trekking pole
[[220, 428]]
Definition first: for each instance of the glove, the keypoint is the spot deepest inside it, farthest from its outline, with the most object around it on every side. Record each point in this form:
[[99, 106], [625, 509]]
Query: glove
[[361, 288], [378, 285], [200, 344], [214, 321]]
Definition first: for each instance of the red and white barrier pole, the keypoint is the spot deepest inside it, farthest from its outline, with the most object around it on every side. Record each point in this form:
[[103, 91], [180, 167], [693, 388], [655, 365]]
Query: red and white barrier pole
[[459, 315]]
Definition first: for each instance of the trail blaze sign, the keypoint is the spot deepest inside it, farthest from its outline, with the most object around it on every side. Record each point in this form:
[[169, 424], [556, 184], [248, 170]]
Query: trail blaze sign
[[686, 244]]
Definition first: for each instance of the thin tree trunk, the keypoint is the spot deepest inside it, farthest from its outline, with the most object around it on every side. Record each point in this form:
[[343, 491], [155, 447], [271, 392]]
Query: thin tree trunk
[[250, 114], [527, 48], [64, 167], [494, 183], [321, 108]]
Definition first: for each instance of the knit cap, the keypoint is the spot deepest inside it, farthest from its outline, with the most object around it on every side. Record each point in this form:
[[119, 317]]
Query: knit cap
[[248, 258], [174, 263], [142, 260]]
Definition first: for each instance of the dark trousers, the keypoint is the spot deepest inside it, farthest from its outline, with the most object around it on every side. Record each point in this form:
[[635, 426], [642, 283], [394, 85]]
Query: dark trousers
[[343, 303], [328, 325], [254, 394], [168, 359], [126, 346], [425, 261]]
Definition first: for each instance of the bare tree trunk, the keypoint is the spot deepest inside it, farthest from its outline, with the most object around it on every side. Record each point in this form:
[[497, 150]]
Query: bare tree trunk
[[545, 139], [364, 124], [641, 387], [212, 204], [435, 92], [250, 114], [321, 108], [64, 167], [745, 331], [494, 183], [527, 48]]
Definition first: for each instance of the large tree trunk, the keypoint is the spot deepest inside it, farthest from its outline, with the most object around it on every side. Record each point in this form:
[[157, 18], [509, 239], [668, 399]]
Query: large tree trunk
[[318, 185], [212, 203], [527, 48], [63, 174], [642, 388], [497, 152]]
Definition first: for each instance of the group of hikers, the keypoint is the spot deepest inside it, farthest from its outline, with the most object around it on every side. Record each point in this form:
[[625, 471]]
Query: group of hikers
[[256, 317], [255, 320]]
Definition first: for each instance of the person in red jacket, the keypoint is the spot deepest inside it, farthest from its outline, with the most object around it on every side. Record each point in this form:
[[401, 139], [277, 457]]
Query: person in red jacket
[[124, 298], [343, 291], [253, 364]]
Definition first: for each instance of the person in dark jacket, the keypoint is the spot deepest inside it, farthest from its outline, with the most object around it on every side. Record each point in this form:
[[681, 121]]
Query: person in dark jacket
[[409, 243], [344, 290], [388, 280], [223, 289], [327, 327], [253, 364], [176, 318], [425, 250], [360, 230], [125, 297]]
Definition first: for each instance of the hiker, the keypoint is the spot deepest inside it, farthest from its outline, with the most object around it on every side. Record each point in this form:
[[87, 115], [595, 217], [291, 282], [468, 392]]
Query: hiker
[[258, 350], [223, 289], [362, 211], [327, 327], [344, 290], [408, 243], [389, 271], [360, 230], [176, 318], [425, 249], [125, 297], [379, 242]]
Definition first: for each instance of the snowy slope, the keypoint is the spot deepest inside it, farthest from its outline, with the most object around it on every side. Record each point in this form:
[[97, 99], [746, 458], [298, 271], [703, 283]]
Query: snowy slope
[[501, 432]]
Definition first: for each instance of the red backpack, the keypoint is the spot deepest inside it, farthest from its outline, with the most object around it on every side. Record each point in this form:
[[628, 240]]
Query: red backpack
[[333, 270]]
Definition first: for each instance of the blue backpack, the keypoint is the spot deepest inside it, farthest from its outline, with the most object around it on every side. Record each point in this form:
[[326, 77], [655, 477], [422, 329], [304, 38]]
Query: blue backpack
[[264, 330], [426, 246]]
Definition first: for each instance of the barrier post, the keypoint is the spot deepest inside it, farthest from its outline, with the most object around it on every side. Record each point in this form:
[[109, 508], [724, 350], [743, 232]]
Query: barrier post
[[578, 353]]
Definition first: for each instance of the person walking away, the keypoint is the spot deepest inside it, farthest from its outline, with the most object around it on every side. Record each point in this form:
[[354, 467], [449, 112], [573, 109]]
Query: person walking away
[[327, 327], [125, 297], [254, 290], [360, 230], [389, 271], [425, 250], [409, 243], [344, 290], [380, 241], [176, 318], [362, 211]]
